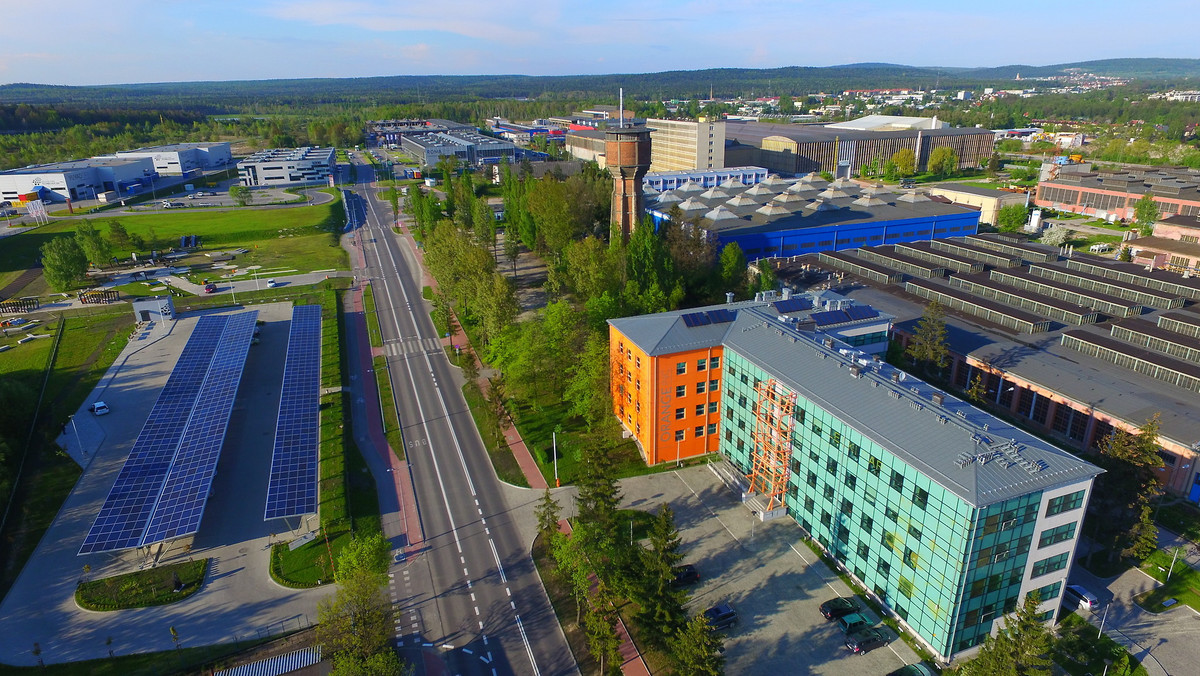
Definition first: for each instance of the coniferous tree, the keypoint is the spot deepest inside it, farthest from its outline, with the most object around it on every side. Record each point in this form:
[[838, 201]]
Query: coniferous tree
[[928, 345]]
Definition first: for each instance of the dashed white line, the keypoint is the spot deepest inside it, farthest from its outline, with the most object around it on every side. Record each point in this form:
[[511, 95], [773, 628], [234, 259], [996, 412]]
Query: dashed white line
[[499, 566], [476, 610]]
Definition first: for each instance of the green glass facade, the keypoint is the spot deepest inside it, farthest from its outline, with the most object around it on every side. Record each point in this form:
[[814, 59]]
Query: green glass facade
[[947, 568]]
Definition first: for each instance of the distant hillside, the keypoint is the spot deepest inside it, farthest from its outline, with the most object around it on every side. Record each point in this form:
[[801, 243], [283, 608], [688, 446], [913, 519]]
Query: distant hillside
[[727, 82]]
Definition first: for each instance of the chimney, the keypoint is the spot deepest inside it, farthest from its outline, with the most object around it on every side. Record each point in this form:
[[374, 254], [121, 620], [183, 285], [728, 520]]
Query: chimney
[[938, 398], [728, 296], [855, 372], [787, 293], [829, 343], [895, 376]]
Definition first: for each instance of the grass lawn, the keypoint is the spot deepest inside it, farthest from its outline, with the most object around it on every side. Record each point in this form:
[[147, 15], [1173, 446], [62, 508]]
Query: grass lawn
[[302, 238], [372, 317], [143, 588], [1181, 518], [1088, 239], [88, 346], [142, 290], [1184, 585], [391, 419], [1079, 652], [503, 460]]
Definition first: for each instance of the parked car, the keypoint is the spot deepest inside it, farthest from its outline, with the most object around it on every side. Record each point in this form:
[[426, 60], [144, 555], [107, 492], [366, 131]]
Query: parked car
[[918, 669], [854, 622], [210, 288], [721, 616], [864, 641], [1085, 599], [99, 408], [271, 284], [685, 575], [835, 608]]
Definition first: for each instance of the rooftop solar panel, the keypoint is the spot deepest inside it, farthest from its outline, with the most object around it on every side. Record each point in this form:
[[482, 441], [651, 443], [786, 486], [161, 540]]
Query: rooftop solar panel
[[830, 317], [696, 319], [856, 312], [127, 509], [792, 305], [721, 316], [292, 488], [185, 491]]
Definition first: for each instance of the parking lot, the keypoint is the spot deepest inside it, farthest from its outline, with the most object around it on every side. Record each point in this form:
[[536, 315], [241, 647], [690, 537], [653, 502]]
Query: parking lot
[[767, 573]]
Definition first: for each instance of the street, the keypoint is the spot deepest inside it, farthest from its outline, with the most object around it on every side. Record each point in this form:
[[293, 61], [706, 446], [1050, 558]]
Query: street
[[470, 593]]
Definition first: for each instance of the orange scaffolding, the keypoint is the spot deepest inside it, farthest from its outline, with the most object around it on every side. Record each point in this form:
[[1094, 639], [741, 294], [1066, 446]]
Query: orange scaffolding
[[773, 424]]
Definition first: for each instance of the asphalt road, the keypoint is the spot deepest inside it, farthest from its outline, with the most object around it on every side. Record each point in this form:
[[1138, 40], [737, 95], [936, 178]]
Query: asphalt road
[[477, 600]]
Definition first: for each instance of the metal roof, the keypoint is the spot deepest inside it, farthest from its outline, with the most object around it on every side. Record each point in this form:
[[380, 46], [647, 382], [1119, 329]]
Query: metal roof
[[978, 457]]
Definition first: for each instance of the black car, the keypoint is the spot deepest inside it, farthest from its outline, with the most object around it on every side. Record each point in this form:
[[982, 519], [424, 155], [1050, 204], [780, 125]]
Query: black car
[[685, 575], [865, 640], [721, 616], [835, 608]]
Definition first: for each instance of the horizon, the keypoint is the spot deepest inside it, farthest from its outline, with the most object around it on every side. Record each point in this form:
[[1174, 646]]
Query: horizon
[[225, 41]]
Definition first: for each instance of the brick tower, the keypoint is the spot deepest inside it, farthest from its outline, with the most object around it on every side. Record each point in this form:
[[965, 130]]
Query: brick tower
[[627, 151]]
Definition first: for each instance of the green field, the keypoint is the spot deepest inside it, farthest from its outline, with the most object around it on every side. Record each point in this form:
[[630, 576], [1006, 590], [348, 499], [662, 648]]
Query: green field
[[303, 238]]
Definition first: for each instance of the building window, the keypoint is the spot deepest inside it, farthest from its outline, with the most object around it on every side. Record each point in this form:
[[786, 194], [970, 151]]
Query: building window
[[1064, 503], [681, 391], [712, 386], [835, 439], [867, 524], [715, 363], [678, 435], [728, 435], [638, 362], [679, 414], [891, 513], [809, 505], [905, 586], [712, 407], [699, 409], [798, 414], [1049, 565], [828, 492], [914, 532], [852, 451], [1048, 592], [699, 431], [700, 387], [874, 465], [701, 364], [816, 428], [712, 428], [864, 552], [831, 466], [847, 507], [897, 481], [920, 497], [1055, 535], [851, 481], [911, 559], [826, 519], [812, 479], [680, 368], [884, 568]]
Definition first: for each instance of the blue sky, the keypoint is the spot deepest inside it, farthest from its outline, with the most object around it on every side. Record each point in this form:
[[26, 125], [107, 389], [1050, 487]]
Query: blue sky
[[171, 40]]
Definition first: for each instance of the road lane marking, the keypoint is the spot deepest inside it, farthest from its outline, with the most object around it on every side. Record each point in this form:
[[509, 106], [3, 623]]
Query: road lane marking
[[528, 648], [499, 566]]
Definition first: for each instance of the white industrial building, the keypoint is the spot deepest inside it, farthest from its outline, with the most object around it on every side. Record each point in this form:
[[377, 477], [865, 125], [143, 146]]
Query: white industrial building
[[78, 179], [283, 166], [183, 158]]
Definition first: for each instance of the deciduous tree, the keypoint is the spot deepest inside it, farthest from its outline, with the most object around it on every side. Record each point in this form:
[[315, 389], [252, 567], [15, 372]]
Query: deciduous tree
[[370, 553], [241, 195], [1146, 214], [63, 263], [94, 245], [1012, 217], [943, 162], [905, 161], [357, 620]]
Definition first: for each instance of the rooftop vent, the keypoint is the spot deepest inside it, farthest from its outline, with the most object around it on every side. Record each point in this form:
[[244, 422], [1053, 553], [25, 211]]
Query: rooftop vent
[[938, 398], [855, 372]]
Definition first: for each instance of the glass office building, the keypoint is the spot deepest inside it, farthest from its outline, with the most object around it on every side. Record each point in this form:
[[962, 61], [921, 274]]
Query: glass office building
[[948, 514]]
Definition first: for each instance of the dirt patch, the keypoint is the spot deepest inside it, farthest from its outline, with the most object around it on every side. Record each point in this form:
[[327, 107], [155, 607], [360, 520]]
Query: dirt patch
[[528, 277]]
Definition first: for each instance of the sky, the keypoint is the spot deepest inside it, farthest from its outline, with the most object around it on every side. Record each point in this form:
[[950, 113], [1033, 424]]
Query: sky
[[82, 43]]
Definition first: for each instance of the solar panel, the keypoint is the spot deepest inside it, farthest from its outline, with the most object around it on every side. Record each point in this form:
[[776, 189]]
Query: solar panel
[[721, 316], [792, 305], [186, 489], [855, 312], [292, 488], [126, 510], [696, 319], [830, 317]]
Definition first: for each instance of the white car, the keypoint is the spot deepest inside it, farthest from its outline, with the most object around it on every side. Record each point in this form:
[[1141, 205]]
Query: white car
[[99, 408], [1084, 598]]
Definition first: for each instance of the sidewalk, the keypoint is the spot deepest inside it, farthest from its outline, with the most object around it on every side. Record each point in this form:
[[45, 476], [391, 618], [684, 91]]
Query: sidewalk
[[632, 663]]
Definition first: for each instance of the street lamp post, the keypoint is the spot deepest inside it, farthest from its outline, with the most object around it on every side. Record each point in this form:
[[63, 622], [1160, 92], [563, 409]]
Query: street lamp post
[[554, 450], [78, 439]]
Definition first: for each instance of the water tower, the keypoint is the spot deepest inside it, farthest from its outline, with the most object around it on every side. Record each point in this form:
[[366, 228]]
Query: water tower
[[627, 152]]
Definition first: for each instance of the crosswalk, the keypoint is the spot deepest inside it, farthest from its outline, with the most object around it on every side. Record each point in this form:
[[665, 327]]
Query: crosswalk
[[407, 346]]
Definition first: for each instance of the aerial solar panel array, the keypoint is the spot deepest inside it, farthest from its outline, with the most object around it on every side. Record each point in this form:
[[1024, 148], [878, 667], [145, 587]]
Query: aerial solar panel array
[[292, 489], [149, 488]]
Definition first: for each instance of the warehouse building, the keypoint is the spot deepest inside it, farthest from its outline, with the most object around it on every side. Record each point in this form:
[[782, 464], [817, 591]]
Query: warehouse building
[[78, 179], [948, 515], [469, 147], [846, 149], [287, 166], [779, 218], [988, 201], [183, 158], [390, 132], [1112, 195]]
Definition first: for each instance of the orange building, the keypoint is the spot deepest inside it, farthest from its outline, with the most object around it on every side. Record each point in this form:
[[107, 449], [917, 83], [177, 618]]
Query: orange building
[[667, 367], [668, 400]]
